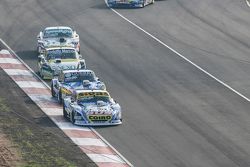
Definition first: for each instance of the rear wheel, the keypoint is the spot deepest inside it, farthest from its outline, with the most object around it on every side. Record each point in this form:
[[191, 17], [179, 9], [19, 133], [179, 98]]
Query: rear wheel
[[60, 97], [52, 90], [65, 115]]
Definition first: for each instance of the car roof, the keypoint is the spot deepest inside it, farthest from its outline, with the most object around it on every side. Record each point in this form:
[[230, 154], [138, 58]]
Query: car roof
[[83, 91], [61, 47], [58, 27], [80, 70]]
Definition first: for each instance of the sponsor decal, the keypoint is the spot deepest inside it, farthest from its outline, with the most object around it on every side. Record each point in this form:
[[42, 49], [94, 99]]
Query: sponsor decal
[[92, 94], [66, 91], [99, 117]]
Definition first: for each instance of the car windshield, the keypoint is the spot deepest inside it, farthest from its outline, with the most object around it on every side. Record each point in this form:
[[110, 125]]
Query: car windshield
[[58, 33], [61, 54], [94, 99], [87, 75], [79, 76]]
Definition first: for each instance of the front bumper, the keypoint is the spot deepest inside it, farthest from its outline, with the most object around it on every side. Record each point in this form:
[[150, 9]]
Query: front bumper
[[109, 123]]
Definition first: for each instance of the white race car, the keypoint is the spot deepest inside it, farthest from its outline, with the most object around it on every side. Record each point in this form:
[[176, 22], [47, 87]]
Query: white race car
[[92, 108], [57, 37], [129, 3], [70, 80], [53, 60]]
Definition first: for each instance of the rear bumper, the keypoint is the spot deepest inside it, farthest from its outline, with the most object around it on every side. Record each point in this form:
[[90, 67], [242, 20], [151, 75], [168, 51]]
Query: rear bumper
[[125, 4]]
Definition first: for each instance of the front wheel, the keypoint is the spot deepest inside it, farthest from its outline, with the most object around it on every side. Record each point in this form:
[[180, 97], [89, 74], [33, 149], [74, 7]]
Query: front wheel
[[41, 73], [72, 118], [52, 91], [144, 3]]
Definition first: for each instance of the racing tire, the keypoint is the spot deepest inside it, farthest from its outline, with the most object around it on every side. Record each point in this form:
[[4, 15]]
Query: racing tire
[[143, 4], [72, 117], [52, 91], [40, 73], [60, 97], [65, 114]]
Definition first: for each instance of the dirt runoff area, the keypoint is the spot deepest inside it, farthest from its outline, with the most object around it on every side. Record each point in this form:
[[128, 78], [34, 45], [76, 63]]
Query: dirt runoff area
[[28, 138]]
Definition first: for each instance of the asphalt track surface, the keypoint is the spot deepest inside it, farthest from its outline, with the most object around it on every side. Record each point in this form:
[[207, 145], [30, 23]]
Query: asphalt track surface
[[174, 114]]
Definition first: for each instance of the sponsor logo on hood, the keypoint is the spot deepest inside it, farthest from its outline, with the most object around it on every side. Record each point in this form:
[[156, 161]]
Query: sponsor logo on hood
[[100, 117]]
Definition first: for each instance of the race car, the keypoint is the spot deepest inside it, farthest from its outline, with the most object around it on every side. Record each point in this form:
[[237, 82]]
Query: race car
[[57, 37], [69, 80], [53, 60], [129, 3], [92, 108]]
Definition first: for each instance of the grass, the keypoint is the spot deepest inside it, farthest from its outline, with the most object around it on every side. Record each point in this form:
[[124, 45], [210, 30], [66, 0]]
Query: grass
[[3, 106], [37, 148]]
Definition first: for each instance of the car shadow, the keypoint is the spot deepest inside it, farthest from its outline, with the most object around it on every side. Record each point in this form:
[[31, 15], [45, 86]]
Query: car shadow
[[27, 54]]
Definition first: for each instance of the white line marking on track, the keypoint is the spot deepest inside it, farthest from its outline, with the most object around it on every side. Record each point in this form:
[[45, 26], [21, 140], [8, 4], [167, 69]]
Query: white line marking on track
[[88, 142], [18, 72], [105, 158], [4, 51], [52, 111], [70, 126], [42, 98], [10, 61], [31, 84], [248, 3], [180, 55]]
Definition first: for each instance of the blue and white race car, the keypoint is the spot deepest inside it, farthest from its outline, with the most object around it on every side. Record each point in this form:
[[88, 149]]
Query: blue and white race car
[[129, 3], [92, 108], [70, 80], [57, 37]]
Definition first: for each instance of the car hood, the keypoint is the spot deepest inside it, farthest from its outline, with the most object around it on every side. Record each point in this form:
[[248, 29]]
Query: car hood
[[66, 64], [55, 42], [95, 85], [99, 108]]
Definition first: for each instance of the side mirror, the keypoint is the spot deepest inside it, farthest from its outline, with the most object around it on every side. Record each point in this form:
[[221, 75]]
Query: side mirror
[[40, 35], [114, 101], [40, 58], [82, 64], [75, 34], [58, 61]]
